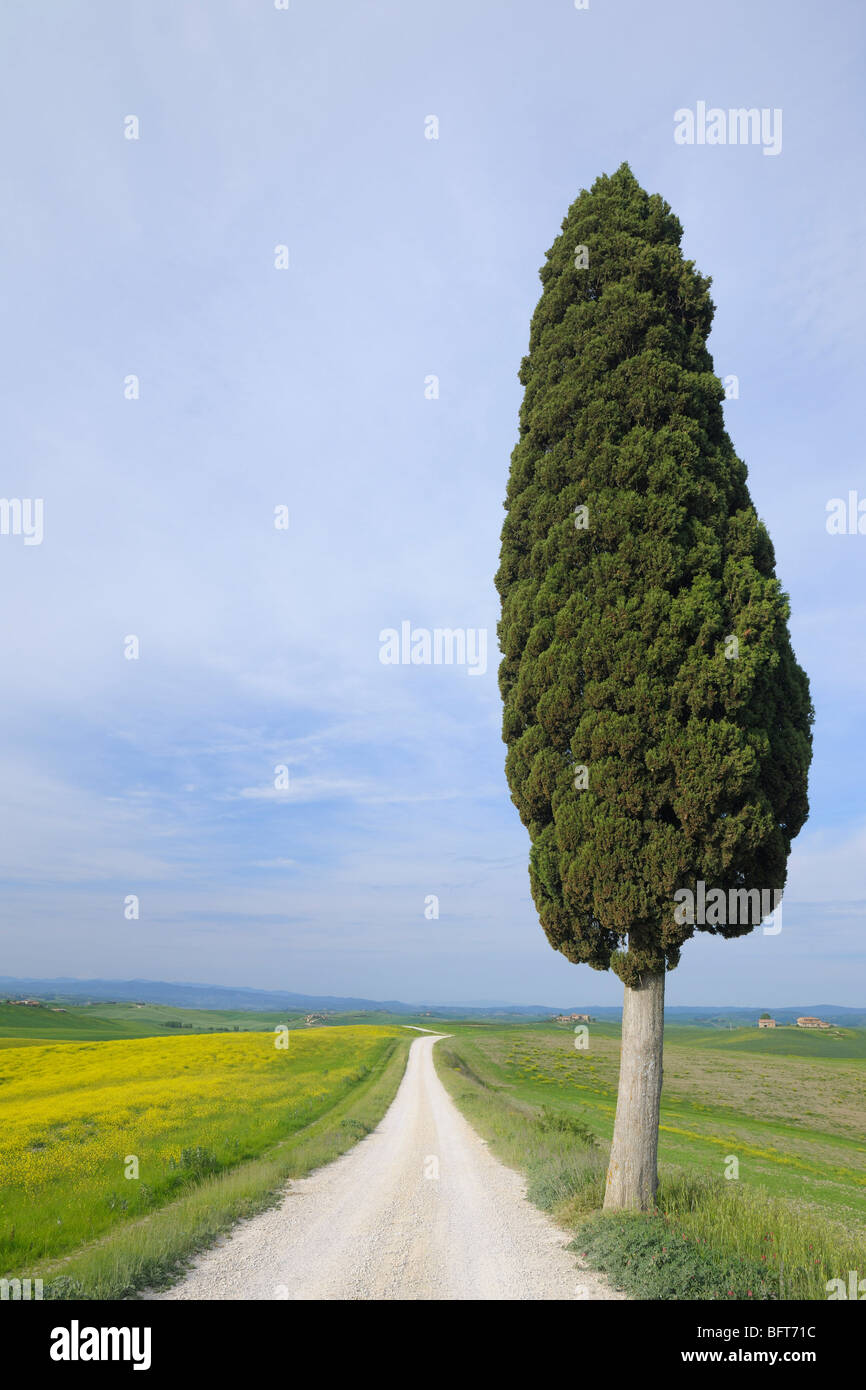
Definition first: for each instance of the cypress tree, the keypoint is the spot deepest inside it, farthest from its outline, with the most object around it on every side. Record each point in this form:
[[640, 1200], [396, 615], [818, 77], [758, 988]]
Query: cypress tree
[[658, 725]]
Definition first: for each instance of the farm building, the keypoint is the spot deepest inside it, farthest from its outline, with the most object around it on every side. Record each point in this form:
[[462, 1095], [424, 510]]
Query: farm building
[[766, 1023], [808, 1022]]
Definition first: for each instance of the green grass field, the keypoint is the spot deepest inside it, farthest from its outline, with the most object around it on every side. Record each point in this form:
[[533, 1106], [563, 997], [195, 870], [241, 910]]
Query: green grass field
[[795, 1120], [790, 1107], [24, 1024]]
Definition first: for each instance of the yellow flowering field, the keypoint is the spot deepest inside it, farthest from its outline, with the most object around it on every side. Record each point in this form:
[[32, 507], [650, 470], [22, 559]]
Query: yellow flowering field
[[94, 1133]]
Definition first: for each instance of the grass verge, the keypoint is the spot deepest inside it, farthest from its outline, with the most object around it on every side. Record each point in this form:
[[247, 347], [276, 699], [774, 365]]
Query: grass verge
[[153, 1252], [706, 1239]]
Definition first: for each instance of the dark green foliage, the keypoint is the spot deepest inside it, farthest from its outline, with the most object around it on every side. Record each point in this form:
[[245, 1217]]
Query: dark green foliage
[[614, 636], [560, 1122], [451, 1059], [557, 1177], [356, 1127], [647, 1257], [199, 1162], [63, 1288]]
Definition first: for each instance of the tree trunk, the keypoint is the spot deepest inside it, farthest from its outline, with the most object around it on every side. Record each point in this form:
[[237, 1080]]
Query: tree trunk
[[632, 1177]]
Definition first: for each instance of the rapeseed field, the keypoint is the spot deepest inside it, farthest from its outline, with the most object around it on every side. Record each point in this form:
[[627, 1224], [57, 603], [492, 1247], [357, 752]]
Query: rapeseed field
[[96, 1133]]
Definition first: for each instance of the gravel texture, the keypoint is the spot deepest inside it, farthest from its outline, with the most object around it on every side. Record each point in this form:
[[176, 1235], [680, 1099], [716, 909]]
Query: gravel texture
[[419, 1209]]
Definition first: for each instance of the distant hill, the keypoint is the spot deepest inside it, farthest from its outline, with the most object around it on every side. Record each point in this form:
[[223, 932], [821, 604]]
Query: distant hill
[[737, 1016], [197, 996], [190, 996]]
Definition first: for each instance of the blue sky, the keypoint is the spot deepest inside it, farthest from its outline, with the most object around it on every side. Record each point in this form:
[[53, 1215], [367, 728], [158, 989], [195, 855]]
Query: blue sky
[[305, 387]]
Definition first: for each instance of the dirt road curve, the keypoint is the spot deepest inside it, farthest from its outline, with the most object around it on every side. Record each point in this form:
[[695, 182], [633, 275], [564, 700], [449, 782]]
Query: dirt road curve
[[380, 1224]]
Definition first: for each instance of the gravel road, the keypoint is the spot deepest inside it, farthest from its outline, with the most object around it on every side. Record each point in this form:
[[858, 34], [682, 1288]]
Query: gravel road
[[419, 1209]]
